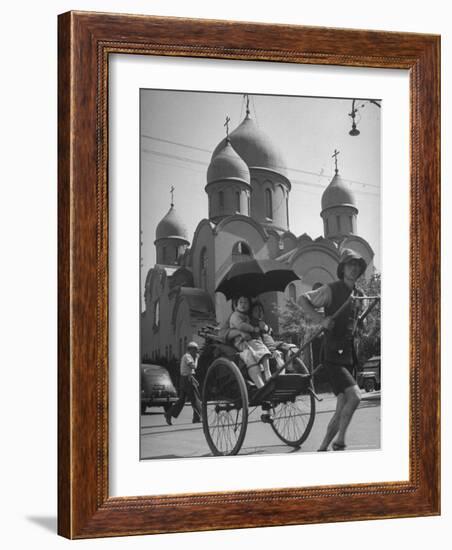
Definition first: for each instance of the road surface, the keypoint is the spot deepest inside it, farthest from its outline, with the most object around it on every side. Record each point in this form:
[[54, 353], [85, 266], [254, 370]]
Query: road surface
[[184, 439]]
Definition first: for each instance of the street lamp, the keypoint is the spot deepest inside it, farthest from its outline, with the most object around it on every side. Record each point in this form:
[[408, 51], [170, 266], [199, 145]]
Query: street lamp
[[354, 131]]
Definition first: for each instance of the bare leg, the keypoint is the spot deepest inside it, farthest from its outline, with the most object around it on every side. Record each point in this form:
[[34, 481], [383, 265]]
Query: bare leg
[[333, 424], [301, 367], [266, 367], [352, 399], [255, 375]]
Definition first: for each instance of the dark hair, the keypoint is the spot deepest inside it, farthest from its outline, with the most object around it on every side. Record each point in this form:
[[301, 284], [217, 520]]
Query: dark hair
[[237, 298], [257, 304]]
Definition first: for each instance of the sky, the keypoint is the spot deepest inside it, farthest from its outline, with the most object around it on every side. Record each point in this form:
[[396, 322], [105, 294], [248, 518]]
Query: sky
[[179, 131]]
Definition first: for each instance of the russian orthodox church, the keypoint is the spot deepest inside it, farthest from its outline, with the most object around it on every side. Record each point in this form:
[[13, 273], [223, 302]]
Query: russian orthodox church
[[248, 217]]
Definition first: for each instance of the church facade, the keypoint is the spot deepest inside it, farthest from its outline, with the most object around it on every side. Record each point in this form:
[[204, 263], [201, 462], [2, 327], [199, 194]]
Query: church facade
[[248, 217]]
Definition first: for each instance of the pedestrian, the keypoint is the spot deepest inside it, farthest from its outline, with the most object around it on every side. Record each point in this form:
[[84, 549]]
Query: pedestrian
[[188, 386], [338, 355]]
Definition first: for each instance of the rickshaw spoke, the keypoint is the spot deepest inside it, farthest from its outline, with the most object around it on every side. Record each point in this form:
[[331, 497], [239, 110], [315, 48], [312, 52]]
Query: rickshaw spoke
[[293, 420], [224, 407]]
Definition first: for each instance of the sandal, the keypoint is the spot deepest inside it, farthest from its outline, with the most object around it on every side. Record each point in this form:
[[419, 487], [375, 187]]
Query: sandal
[[267, 418], [338, 446]]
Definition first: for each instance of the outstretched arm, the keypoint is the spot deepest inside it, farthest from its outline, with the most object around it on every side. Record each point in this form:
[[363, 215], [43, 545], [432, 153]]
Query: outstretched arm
[[317, 317], [310, 301]]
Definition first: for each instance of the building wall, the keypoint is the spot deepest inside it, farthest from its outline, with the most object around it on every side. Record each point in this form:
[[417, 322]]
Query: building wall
[[324, 262], [261, 180], [204, 240]]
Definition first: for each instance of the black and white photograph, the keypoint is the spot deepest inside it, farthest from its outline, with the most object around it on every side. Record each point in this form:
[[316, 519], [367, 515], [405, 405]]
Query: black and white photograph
[[260, 274]]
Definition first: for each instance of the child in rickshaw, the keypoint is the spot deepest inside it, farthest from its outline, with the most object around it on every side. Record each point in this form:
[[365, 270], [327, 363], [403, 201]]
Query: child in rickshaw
[[280, 350], [246, 338], [265, 332]]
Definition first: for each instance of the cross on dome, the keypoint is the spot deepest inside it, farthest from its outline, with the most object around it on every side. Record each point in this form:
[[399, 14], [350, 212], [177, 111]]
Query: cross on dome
[[247, 98], [228, 120], [334, 155], [172, 195]]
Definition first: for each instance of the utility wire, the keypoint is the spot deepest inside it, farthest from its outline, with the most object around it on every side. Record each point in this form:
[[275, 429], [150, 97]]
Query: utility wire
[[295, 181], [210, 152]]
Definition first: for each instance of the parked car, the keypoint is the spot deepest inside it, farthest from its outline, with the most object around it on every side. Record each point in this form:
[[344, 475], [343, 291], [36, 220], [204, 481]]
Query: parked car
[[157, 390], [369, 374]]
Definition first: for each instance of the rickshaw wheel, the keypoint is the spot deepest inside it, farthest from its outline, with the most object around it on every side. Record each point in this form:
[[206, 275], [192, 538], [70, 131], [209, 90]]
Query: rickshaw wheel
[[224, 408], [293, 420]]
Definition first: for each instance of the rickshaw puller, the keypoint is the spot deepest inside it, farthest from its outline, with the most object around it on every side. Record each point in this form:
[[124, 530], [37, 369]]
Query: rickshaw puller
[[339, 355]]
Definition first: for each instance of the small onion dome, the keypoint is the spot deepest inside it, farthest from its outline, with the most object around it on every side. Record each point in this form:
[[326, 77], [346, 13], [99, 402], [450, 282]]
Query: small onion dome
[[226, 164], [255, 147], [338, 193], [170, 226]]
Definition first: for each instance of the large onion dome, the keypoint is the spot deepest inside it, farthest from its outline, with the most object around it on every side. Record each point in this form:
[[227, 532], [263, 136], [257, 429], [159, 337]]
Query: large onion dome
[[171, 226], [226, 164], [338, 193], [254, 147]]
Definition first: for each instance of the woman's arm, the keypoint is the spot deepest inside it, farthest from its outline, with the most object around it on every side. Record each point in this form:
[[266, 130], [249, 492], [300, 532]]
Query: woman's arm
[[237, 322], [322, 297]]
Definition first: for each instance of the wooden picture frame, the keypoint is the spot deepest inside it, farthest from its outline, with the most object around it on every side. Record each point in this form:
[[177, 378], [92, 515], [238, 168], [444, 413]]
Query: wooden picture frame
[[85, 42]]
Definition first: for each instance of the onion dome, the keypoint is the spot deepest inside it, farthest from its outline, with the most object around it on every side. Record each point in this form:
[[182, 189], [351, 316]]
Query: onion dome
[[254, 147], [226, 164], [338, 193], [171, 226]]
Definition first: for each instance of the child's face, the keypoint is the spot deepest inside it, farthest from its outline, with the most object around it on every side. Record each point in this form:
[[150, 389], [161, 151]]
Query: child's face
[[257, 312], [243, 304]]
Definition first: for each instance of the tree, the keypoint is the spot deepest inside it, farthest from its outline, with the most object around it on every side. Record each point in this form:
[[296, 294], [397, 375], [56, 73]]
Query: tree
[[296, 327], [368, 341]]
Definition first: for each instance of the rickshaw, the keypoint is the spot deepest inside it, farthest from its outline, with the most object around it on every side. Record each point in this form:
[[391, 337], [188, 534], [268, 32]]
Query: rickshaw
[[228, 394]]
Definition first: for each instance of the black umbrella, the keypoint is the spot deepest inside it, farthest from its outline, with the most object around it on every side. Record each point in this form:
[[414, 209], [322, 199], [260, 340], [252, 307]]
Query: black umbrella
[[254, 277]]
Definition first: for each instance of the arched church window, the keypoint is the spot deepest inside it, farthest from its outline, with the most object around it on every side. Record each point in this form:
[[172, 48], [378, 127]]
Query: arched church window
[[248, 199], [241, 249], [292, 292], [221, 200], [287, 209], [351, 224], [268, 204], [203, 264], [237, 201], [157, 313]]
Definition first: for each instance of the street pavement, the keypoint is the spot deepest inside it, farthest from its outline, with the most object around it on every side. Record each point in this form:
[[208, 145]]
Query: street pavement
[[184, 439]]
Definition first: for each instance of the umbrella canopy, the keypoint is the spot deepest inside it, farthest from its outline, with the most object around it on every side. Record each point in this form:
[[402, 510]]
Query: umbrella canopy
[[253, 277]]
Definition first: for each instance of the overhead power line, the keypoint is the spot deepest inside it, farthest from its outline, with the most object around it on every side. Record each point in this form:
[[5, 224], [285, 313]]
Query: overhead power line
[[176, 143], [203, 163]]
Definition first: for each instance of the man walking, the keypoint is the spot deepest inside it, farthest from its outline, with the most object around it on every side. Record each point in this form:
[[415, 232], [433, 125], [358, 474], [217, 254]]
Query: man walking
[[339, 355], [188, 386]]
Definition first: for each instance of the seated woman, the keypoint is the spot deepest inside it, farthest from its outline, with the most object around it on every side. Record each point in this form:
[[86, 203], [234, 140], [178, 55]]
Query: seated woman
[[246, 339]]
